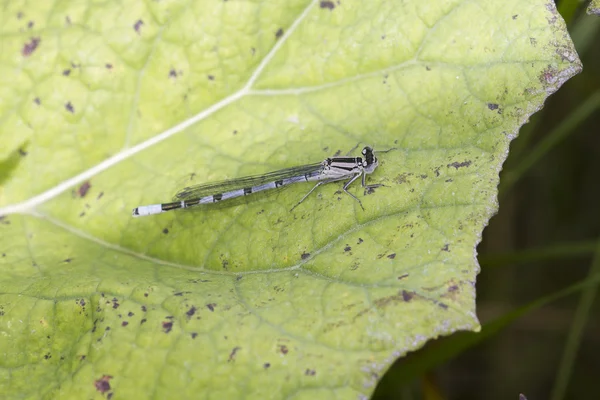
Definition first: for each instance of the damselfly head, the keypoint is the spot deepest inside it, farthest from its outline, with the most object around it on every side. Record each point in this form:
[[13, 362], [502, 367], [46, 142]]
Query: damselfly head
[[370, 161]]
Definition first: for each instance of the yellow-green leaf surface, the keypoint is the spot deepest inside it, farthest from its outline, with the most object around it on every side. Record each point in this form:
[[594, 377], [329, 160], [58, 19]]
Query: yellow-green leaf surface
[[109, 105]]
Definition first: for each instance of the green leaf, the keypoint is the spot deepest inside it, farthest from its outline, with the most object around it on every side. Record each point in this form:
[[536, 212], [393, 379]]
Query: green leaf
[[107, 107]]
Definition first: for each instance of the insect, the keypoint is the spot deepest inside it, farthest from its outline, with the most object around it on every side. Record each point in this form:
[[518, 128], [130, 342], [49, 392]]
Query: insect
[[331, 169]]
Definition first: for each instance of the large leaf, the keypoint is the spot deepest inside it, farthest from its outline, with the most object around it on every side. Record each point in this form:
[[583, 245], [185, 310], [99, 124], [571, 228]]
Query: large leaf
[[106, 106]]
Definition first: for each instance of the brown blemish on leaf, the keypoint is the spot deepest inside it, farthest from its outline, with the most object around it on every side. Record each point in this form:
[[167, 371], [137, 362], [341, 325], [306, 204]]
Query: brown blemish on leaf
[[446, 247], [191, 312], [327, 4], [194, 335], [211, 77], [102, 385], [108, 65], [310, 372], [443, 305], [279, 33], [167, 326], [37, 101], [138, 26], [458, 165], [130, 314], [165, 231], [347, 248], [84, 188], [66, 72], [391, 256], [143, 321], [232, 354], [304, 256], [493, 106], [407, 296], [402, 276], [359, 241], [211, 306], [115, 303], [100, 195], [266, 365], [283, 349], [29, 47], [69, 107], [124, 323]]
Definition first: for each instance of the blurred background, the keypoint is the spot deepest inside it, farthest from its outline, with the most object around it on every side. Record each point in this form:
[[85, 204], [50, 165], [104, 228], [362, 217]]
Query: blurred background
[[539, 257]]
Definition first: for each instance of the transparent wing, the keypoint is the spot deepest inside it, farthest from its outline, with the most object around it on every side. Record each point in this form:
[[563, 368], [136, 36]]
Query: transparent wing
[[208, 189]]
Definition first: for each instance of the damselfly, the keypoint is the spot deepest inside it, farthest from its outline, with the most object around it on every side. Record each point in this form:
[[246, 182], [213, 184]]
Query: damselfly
[[329, 170]]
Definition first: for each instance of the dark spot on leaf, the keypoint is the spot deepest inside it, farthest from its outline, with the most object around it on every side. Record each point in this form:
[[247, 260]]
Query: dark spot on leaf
[[84, 188], [67, 72], [30, 47], [108, 65], [82, 357], [423, 176], [327, 4], [124, 323], [304, 256], [67, 260], [266, 365], [347, 248], [359, 241], [170, 317], [143, 321], [191, 312], [232, 354], [165, 231], [3, 254], [515, 16], [391, 256], [100, 195], [402, 276], [458, 165], [115, 303], [138, 25], [211, 306], [47, 356], [437, 171], [283, 349], [37, 101], [444, 306], [194, 335], [167, 326], [449, 180], [445, 248], [107, 328], [130, 314], [20, 15], [238, 278], [427, 68], [172, 73], [69, 107], [109, 396], [279, 33], [102, 385], [235, 132], [493, 106], [225, 264], [143, 308], [407, 296], [310, 372], [211, 77], [145, 294]]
